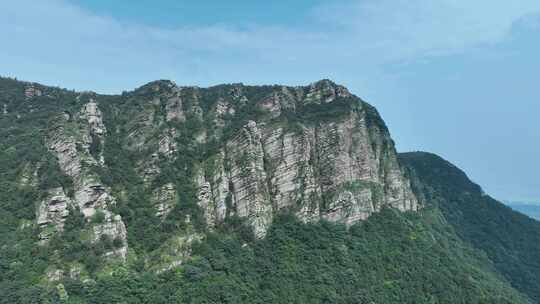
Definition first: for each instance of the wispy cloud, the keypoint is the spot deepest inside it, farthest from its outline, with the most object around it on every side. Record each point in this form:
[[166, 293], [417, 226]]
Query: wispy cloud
[[410, 28], [57, 42], [392, 52]]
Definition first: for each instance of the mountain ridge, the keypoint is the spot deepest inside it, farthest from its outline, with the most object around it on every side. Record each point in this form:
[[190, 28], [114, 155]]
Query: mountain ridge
[[269, 148], [510, 239], [198, 186]]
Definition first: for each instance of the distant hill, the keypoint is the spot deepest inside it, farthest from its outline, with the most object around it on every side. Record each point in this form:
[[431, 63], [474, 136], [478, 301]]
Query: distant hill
[[510, 239], [528, 208]]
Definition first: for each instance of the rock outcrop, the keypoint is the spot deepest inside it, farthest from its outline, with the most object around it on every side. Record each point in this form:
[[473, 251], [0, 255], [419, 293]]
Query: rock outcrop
[[95, 129], [32, 91], [70, 143], [214, 190], [112, 228], [342, 169], [174, 107], [52, 213], [317, 151], [167, 143], [247, 173], [164, 199]]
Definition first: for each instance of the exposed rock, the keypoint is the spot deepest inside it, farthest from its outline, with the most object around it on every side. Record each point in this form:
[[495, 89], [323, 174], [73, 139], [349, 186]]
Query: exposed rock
[[141, 128], [52, 213], [4, 109], [214, 193], [272, 104], [54, 275], [24, 224], [172, 265], [241, 184], [32, 91], [174, 108], [292, 179], [112, 227], [325, 91], [167, 143], [201, 137], [95, 130], [149, 169], [278, 102], [350, 206], [181, 101], [90, 194], [92, 114], [75, 272], [204, 196], [176, 251], [341, 170], [248, 178], [194, 95], [65, 149], [350, 153], [224, 108], [164, 199]]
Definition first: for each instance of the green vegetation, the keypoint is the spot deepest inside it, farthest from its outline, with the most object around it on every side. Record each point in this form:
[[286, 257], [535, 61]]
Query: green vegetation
[[390, 258], [510, 239]]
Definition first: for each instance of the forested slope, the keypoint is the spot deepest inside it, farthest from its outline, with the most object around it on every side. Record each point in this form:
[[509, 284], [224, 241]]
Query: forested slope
[[510, 239]]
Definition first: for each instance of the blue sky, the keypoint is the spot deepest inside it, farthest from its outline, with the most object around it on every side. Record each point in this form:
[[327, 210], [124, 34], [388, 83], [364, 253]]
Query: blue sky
[[454, 77]]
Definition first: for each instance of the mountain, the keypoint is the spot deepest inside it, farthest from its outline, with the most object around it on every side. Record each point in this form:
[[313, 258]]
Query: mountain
[[510, 239], [240, 194]]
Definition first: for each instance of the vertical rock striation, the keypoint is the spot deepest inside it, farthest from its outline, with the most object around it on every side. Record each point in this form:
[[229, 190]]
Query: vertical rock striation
[[247, 173], [52, 213], [318, 152], [340, 169], [70, 142]]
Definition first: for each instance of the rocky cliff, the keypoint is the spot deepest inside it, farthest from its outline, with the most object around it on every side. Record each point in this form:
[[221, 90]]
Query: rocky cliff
[[70, 140], [179, 161], [316, 151]]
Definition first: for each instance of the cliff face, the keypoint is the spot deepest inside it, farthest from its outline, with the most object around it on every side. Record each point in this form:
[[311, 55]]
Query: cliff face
[[178, 161], [317, 151], [341, 171], [70, 140]]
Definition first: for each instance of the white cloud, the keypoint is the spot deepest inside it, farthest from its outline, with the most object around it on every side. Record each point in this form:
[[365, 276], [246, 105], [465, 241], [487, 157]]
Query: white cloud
[[55, 40], [408, 28]]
